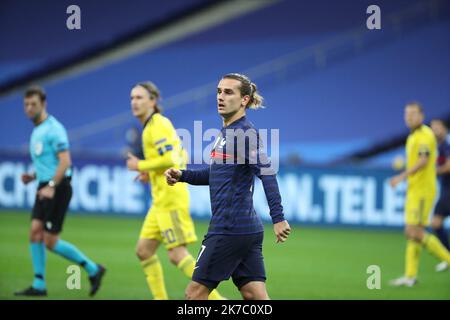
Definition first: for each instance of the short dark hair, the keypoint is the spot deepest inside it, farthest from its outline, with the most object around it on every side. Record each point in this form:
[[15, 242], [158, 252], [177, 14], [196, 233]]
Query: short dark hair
[[36, 90], [440, 121], [416, 104]]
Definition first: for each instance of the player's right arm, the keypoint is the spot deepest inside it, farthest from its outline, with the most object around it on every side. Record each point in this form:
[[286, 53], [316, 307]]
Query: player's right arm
[[421, 163], [257, 159], [60, 145], [194, 177], [28, 177], [424, 155], [160, 137]]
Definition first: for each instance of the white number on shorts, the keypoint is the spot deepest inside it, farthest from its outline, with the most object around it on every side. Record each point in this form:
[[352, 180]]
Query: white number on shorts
[[201, 251]]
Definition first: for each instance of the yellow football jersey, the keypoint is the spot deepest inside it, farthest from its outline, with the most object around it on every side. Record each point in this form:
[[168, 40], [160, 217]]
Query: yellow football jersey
[[163, 150], [422, 140]]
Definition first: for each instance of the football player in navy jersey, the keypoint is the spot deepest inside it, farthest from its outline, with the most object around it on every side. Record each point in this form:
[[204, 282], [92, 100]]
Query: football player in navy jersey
[[232, 246], [442, 208]]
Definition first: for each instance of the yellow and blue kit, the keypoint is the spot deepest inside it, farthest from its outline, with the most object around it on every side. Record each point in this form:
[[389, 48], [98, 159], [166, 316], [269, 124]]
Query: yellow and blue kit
[[168, 219], [421, 190]]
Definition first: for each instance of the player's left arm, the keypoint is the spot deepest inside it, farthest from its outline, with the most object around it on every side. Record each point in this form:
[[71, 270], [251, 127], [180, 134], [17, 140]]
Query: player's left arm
[[60, 145], [280, 225], [164, 161], [65, 163], [261, 166], [424, 155]]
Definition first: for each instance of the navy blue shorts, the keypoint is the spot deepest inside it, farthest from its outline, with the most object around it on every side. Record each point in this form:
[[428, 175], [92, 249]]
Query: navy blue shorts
[[442, 207], [222, 256]]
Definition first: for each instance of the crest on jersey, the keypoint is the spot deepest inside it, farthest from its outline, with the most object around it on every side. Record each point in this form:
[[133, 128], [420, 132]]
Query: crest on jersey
[[38, 148], [220, 142]]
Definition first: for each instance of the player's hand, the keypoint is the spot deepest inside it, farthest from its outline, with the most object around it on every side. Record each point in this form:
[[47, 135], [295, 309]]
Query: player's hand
[[395, 180], [46, 192], [282, 230], [27, 178], [142, 177], [132, 162], [172, 176]]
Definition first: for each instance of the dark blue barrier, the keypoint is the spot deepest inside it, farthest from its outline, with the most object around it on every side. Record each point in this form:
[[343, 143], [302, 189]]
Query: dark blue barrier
[[326, 196]]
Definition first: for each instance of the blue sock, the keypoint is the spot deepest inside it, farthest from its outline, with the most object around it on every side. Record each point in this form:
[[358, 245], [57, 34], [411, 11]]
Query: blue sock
[[72, 253], [443, 236], [38, 258]]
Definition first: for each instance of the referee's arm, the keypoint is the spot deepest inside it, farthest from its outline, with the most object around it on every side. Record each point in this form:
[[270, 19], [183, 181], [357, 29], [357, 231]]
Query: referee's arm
[[64, 163]]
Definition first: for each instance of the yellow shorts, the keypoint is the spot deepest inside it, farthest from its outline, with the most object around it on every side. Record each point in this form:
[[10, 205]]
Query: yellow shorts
[[172, 227], [418, 207]]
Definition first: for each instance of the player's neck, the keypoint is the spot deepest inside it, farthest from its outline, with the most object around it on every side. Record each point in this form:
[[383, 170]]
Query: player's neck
[[41, 118], [233, 118], [415, 128], [144, 118]]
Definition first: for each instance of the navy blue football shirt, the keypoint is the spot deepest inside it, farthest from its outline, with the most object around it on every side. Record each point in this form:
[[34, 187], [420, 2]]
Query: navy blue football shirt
[[236, 158]]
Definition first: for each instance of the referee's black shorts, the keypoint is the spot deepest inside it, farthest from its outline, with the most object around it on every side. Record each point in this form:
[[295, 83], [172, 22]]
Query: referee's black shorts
[[53, 211]]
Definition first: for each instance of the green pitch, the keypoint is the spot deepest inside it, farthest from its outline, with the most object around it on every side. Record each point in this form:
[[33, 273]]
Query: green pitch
[[315, 263]]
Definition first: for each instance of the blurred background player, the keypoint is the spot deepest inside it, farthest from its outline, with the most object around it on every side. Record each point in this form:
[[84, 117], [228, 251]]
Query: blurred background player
[[233, 244], [49, 148], [134, 142], [420, 174], [168, 219], [442, 209]]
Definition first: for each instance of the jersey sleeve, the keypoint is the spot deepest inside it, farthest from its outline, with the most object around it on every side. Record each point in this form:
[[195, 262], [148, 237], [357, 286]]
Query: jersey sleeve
[[198, 177], [256, 157], [424, 145], [59, 139], [162, 137]]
